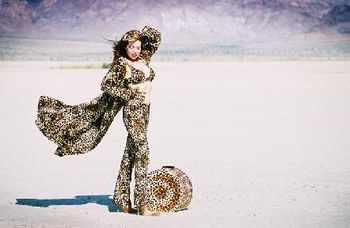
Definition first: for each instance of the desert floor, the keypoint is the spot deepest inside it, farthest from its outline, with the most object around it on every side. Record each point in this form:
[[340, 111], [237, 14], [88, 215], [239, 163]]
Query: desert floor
[[265, 144]]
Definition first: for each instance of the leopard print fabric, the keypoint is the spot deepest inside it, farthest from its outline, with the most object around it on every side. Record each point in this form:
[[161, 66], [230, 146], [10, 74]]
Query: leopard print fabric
[[168, 190], [136, 154], [77, 129], [150, 43]]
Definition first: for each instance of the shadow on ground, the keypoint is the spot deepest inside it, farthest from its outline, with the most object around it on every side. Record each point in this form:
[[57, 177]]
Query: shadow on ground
[[104, 200]]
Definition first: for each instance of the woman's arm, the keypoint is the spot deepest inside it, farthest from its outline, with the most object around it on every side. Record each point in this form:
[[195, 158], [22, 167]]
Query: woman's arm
[[150, 42], [114, 82]]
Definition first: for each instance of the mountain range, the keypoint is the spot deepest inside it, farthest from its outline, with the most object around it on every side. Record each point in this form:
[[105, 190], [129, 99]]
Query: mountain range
[[180, 21]]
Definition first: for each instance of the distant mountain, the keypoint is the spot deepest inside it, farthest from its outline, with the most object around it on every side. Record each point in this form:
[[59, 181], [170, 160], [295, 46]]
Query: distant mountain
[[180, 21]]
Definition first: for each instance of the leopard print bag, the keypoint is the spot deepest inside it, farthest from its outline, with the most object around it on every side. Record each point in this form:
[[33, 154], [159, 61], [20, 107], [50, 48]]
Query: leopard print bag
[[168, 190]]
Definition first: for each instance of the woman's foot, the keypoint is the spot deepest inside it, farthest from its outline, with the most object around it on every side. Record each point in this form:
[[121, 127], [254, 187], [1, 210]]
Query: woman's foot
[[126, 208], [143, 210], [59, 152]]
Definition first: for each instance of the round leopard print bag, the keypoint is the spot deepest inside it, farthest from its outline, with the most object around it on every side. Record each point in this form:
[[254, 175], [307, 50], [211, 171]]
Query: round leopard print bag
[[168, 190]]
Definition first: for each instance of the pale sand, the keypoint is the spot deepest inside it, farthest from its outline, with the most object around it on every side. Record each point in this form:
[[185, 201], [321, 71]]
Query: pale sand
[[266, 144]]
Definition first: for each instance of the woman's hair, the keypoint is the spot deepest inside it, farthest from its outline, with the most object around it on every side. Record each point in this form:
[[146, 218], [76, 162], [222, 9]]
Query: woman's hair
[[119, 47]]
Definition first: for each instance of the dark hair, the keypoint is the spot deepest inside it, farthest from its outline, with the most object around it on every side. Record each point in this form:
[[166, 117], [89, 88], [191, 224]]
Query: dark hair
[[119, 50]]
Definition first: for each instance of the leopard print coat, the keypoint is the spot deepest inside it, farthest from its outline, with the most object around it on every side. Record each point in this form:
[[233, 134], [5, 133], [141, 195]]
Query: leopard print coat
[[77, 129]]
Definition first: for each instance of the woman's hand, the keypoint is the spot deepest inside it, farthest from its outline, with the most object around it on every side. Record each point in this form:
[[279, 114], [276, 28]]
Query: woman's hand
[[143, 90], [139, 87], [147, 99]]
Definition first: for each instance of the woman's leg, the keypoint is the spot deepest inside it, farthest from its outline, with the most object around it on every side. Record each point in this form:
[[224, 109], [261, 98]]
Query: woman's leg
[[136, 120], [122, 188]]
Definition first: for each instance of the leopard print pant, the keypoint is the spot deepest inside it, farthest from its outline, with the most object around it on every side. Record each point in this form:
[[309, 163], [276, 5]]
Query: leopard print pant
[[136, 155]]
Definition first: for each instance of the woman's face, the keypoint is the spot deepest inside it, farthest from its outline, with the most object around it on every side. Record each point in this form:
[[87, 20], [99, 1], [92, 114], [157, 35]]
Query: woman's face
[[133, 49]]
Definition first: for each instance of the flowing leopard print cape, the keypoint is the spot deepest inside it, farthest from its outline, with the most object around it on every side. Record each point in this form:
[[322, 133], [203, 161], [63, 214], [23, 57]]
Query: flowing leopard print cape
[[77, 129]]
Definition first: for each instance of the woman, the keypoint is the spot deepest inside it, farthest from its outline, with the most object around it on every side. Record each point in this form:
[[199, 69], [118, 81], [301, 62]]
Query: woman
[[79, 128]]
